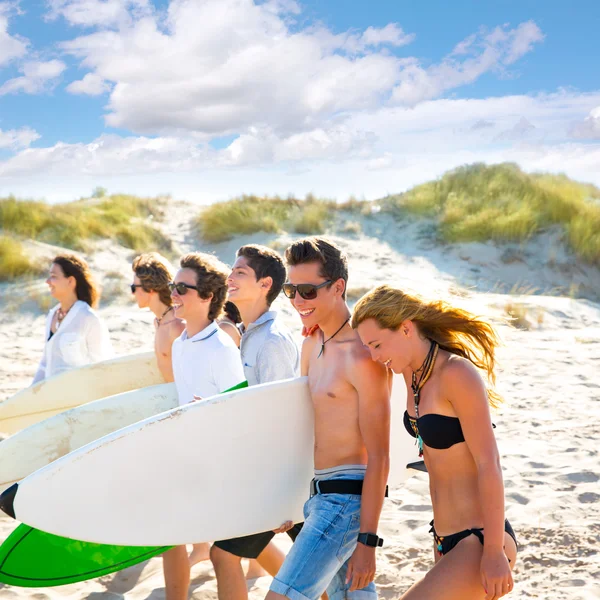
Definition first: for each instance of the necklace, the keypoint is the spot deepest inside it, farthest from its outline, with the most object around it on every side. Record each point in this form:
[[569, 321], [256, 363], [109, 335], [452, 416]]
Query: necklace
[[331, 337], [61, 314], [158, 320], [417, 385]]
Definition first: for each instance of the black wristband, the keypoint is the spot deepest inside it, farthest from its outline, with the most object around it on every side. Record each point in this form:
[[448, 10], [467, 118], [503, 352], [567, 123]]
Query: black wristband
[[370, 539]]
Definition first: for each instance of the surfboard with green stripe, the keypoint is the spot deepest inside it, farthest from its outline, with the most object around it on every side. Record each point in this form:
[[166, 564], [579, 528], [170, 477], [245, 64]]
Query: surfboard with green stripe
[[33, 558]]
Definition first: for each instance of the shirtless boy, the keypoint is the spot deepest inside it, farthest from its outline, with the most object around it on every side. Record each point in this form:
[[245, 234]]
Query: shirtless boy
[[335, 551], [150, 288]]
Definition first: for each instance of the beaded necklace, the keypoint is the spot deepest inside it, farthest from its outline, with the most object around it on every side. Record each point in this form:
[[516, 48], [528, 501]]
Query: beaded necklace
[[417, 385]]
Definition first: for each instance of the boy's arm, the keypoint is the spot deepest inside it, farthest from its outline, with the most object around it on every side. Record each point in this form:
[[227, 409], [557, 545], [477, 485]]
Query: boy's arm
[[372, 385]]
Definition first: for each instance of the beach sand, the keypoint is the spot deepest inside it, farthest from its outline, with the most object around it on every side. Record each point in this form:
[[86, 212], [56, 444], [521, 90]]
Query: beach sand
[[547, 430]]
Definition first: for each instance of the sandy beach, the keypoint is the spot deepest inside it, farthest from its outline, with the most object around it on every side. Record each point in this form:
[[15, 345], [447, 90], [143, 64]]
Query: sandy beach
[[547, 430]]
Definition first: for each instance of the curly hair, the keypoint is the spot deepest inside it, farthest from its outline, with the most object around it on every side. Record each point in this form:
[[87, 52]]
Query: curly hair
[[333, 261], [154, 272], [455, 330], [211, 279], [86, 288]]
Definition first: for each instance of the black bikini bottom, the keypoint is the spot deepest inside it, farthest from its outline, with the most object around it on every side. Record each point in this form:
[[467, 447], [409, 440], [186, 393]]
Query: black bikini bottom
[[445, 543]]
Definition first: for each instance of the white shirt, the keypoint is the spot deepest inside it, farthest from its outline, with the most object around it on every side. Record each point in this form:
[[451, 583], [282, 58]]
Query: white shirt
[[205, 364], [81, 339]]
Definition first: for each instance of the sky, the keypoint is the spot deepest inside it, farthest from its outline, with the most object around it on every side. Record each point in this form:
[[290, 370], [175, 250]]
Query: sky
[[210, 99]]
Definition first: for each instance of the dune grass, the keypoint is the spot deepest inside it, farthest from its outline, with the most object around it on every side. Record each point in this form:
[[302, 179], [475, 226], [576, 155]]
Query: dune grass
[[502, 203], [14, 262], [126, 219], [250, 214]]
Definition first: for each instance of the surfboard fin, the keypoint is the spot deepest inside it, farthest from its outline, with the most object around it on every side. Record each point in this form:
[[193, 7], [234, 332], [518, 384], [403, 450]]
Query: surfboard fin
[[7, 499], [417, 466]]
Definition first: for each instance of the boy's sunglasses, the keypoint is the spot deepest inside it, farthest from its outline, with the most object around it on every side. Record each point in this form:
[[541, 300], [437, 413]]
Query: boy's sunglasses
[[308, 291], [181, 288]]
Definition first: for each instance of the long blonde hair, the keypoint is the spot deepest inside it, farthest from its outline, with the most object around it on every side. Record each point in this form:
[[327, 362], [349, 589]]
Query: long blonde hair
[[454, 329]]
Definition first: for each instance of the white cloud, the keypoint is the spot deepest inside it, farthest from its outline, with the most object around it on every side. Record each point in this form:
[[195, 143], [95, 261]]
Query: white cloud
[[522, 40], [589, 128], [262, 146], [98, 13], [108, 155], [38, 76], [481, 124], [483, 53], [434, 135], [11, 46], [90, 85], [381, 162], [16, 139], [222, 67], [391, 34], [522, 129]]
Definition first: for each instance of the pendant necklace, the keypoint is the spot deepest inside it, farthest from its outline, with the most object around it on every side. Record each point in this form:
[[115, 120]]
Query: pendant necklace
[[330, 338], [162, 316]]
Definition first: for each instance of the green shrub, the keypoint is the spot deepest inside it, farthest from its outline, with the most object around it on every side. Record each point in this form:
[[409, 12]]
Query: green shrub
[[502, 203], [127, 219], [251, 214], [13, 260]]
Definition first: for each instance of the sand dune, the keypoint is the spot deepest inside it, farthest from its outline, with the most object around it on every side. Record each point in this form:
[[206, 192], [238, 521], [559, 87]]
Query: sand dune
[[547, 430]]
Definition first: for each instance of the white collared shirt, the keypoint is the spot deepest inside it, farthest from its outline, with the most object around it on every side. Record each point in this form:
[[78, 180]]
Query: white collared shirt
[[81, 339], [206, 364]]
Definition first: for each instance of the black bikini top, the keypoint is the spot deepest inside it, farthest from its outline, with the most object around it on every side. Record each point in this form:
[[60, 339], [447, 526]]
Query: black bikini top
[[436, 431]]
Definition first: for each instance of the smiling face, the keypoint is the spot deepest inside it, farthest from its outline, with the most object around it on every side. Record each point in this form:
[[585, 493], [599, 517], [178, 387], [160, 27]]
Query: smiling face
[[188, 305], [390, 348], [141, 296], [315, 311], [60, 286], [242, 285]]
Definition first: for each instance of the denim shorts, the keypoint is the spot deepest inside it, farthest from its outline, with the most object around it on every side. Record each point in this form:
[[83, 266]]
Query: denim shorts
[[318, 560]]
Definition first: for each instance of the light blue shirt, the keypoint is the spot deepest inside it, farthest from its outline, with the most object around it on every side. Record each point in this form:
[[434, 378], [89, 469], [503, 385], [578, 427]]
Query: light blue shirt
[[269, 352]]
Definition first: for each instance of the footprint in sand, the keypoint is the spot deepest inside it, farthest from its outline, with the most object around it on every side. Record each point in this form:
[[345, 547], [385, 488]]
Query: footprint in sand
[[518, 498], [588, 498], [581, 477]]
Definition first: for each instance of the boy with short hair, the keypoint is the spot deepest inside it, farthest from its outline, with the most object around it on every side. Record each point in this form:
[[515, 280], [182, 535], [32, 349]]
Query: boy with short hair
[[206, 362], [269, 353], [335, 551]]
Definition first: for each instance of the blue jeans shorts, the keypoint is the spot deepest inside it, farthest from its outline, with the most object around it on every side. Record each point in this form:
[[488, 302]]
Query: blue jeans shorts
[[318, 560]]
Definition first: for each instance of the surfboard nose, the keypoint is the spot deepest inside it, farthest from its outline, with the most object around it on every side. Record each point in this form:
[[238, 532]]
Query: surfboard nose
[[7, 499]]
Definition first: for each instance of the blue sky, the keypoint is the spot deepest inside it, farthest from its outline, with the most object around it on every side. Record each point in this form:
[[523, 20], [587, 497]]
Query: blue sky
[[208, 99]]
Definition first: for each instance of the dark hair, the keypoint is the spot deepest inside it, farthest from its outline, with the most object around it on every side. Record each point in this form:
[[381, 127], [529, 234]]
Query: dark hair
[[154, 272], [211, 278], [231, 312], [85, 286], [333, 261], [265, 263]]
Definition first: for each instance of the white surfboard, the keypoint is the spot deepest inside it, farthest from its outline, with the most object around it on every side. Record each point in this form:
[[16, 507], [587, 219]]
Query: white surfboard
[[77, 386], [228, 466], [38, 445]]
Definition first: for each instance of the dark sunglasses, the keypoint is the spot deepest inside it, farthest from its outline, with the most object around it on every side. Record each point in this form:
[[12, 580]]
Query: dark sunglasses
[[181, 288], [308, 291], [134, 286]]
